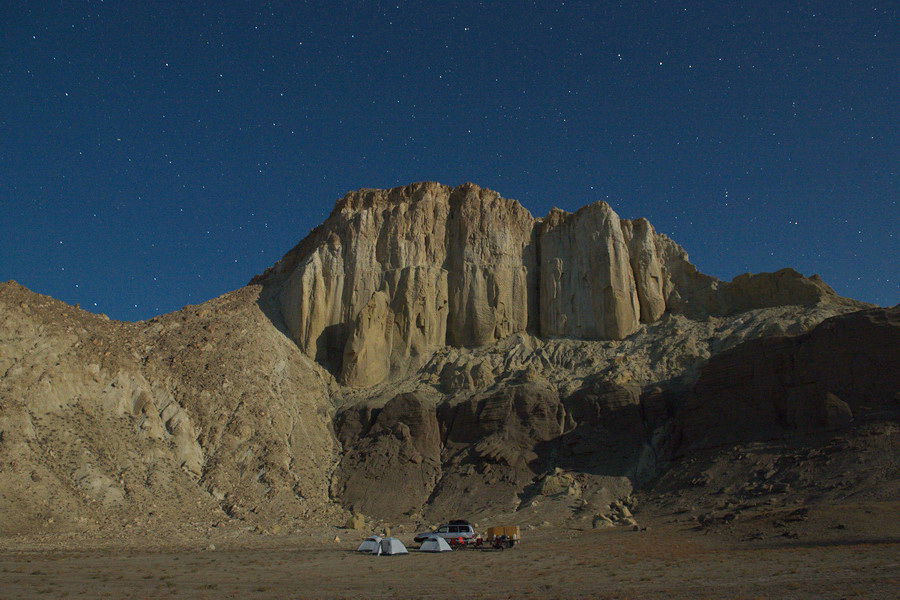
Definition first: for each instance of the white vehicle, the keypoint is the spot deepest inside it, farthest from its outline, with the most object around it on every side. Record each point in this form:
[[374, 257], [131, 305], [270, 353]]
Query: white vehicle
[[454, 530]]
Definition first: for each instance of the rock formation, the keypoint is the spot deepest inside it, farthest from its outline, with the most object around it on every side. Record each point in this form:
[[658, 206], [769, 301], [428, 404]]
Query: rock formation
[[427, 352], [775, 386], [395, 274]]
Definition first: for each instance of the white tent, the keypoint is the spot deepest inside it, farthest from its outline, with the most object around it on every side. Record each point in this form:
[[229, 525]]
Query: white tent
[[391, 546], [435, 544], [370, 544]]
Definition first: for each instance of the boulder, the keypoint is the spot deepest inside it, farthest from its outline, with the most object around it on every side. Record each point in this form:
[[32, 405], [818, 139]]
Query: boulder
[[560, 483], [818, 411], [601, 521], [355, 521]]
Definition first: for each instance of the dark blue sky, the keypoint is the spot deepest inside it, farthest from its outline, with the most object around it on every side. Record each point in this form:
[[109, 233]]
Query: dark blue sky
[[157, 154]]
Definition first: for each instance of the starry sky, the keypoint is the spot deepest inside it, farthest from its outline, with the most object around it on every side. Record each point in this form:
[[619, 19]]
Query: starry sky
[[158, 154]]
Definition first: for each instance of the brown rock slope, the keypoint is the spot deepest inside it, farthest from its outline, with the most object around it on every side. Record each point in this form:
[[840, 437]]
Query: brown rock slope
[[846, 369], [790, 437], [504, 445], [183, 418]]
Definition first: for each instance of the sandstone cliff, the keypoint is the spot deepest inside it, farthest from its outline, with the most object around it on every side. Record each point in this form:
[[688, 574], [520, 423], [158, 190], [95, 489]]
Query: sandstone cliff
[[394, 274]]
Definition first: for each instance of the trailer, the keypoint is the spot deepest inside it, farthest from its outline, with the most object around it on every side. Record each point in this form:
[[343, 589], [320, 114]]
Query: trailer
[[501, 538]]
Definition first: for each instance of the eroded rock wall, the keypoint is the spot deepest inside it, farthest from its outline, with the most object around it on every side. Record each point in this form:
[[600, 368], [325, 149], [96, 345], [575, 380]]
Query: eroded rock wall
[[765, 388], [587, 285], [490, 265], [394, 274]]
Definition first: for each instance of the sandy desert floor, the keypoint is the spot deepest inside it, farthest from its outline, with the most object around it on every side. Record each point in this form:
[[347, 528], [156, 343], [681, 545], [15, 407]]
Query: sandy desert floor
[[670, 561]]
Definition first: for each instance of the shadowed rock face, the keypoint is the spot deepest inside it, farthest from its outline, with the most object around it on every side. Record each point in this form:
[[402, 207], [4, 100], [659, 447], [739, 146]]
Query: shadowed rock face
[[769, 387], [414, 449], [390, 466], [394, 274]]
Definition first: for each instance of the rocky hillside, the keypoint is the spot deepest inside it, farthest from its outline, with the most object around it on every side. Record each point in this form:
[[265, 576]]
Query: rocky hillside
[[426, 352], [194, 416]]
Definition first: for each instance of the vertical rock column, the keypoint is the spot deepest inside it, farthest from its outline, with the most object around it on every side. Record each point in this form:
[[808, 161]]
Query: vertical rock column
[[489, 259], [646, 267], [367, 354], [312, 302], [587, 286]]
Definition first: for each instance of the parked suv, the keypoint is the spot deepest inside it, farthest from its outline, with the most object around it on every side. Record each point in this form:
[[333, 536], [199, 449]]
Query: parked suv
[[452, 530]]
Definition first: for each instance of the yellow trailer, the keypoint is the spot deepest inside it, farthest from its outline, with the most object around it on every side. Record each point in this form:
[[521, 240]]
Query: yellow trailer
[[504, 537]]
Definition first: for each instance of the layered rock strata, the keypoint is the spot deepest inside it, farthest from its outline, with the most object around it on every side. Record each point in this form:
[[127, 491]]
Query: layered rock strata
[[394, 274]]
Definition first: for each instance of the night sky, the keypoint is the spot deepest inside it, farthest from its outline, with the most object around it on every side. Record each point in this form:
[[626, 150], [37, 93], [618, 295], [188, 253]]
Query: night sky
[[158, 154]]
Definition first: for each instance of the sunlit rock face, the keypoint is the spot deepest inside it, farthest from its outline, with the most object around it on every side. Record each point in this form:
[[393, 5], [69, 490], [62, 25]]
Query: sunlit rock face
[[394, 274], [587, 285]]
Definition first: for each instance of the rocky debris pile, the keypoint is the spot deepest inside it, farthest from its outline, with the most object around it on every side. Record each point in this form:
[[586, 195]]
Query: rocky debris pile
[[560, 482], [619, 513]]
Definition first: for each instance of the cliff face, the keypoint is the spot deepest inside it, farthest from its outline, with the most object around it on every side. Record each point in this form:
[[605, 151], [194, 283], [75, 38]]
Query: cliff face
[[394, 274], [588, 288]]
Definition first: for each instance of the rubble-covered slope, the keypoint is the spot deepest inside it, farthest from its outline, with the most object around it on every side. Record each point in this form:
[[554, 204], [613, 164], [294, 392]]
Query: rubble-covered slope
[[489, 443], [190, 417]]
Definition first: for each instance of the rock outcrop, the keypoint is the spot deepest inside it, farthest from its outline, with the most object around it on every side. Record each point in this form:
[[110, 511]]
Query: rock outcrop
[[775, 386], [394, 274]]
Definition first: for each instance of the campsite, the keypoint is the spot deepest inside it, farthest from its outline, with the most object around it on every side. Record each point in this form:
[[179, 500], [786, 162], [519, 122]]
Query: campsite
[[671, 561]]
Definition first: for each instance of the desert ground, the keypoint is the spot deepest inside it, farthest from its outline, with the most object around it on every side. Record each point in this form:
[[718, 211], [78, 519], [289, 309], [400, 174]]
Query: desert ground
[[836, 552]]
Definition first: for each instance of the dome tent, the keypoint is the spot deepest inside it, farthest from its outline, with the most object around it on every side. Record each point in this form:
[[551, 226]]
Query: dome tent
[[435, 544], [370, 544], [390, 546]]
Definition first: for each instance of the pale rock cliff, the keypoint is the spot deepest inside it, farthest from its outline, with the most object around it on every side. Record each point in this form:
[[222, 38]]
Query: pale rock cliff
[[490, 265], [647, 268], [393, 275], [587, 285]]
